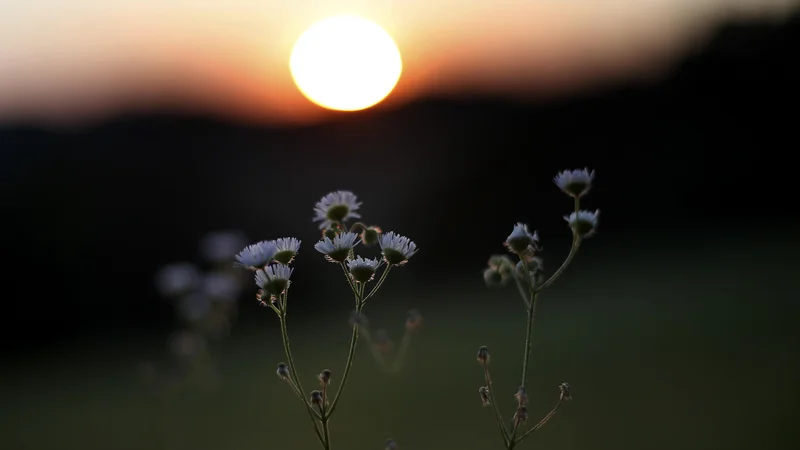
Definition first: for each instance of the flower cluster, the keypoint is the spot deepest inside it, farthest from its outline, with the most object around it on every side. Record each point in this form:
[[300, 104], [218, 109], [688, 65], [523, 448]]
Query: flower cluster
[[205, 302], [529, 276], [271, 262]]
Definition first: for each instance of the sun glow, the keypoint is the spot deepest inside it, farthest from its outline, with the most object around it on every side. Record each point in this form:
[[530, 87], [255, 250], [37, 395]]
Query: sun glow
[[345, 63]]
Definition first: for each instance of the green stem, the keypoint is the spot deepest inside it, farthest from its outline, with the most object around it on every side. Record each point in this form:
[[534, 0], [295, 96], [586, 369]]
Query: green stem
[[293, 373], [541, 422], [326, 429], [350, 354], [401, 352], [378, 285], [528, 331], [498, 417], [576, 243], [520, 287], [349, 278]]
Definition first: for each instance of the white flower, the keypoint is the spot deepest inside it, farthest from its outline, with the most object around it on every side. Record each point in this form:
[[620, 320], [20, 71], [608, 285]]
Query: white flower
[[287, 249], [583, 223], [274, 278], [336, 207], [221, 286], [363, 270], [338, 249], [575, 183], [221, 246], [396, 249], [258, 255], [520, 238], [177, 279]]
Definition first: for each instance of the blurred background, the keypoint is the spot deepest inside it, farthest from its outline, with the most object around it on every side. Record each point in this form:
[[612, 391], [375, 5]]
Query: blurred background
[[139, 135]]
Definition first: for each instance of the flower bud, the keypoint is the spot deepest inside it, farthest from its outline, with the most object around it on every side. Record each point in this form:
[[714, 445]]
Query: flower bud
[[283, 371], [371, 235], [564, 389], [492, 277], [316, 397], [324, 377], [484, 393], [483, 355]]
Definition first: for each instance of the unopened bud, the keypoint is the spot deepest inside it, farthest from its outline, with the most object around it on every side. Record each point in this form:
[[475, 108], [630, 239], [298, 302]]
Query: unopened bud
[[330, 232], [492, 277], [370, 235], [324, 377], [316, 397], [564, 389], [283, 371], [483, 355]]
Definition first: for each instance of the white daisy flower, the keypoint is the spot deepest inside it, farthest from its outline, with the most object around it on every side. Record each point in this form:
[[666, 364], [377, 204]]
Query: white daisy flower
[[274, 279], [363, 270], [338, 249], [257, 256], [520, 238], [583, 223], [575, 183], [287, 249], [397, 249], [336, 207]]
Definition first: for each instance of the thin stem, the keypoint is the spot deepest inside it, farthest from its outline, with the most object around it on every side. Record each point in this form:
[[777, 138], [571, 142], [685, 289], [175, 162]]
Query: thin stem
[[293, 371], [326, 429], [528, 331], [350, 354], [376, 354], [543, 421], [349, 278], [378, 285], [401, 352], [498, 417], [521, 288], [358, 224], [576, 243]]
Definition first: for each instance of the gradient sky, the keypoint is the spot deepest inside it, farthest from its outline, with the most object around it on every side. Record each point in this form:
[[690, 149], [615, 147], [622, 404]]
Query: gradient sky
[[67, 62]]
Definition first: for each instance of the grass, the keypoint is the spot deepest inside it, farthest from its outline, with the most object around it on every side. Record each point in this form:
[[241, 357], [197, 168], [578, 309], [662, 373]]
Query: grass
[[679, 354]]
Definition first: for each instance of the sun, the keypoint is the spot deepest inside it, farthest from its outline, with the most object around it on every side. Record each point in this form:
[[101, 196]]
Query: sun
[[345, 63]]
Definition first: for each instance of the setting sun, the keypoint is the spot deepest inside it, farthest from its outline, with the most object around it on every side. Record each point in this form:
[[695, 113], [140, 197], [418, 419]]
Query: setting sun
[[346, 63]]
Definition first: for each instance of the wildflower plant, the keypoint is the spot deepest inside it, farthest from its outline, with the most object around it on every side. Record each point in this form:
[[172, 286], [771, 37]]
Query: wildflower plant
[[382, 345], [205, 302], [270, 261], [530, 279]]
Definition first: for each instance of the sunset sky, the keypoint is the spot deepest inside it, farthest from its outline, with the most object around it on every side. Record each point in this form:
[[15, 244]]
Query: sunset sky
[[68, 62]]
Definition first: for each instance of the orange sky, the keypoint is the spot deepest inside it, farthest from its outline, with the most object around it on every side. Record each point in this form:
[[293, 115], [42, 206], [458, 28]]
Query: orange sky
[[68, 62]]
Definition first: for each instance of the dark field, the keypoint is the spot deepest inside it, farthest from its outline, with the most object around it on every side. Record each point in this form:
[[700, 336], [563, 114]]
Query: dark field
[[685, 349]]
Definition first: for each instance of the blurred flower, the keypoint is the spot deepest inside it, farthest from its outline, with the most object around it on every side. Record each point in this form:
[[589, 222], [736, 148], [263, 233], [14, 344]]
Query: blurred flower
[[220, 247], [177, 279], [257, 256], [338, 249], [413, 320], [274, 279], [397, 249], [287, 249], [186, 345], [520, 238], [493, 277], [362, 270], [336, 207], [194, 307], [391, 445], [222, 286], [575, 183], [583, 223]]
